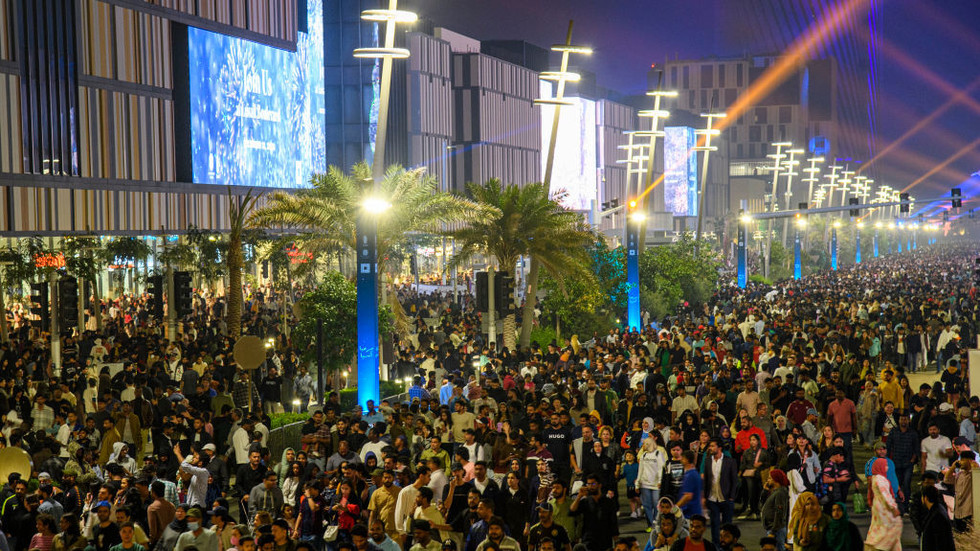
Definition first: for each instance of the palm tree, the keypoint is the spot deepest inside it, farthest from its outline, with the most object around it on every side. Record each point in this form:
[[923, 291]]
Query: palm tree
[[239, 209], [529, 223], [328, 211]]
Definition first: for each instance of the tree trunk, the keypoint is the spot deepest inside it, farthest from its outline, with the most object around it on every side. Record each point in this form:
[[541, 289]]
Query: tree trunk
[[97, 305], [4, 331], [234, 292], [529, 302], [510, 331]]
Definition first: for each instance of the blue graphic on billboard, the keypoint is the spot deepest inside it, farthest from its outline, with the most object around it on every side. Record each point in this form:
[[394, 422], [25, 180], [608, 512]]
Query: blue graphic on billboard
[[257, 112], [680, 171]]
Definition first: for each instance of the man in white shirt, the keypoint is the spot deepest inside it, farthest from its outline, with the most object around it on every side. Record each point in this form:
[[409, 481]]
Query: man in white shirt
[[406, 502], [936, 450], [681, 403]]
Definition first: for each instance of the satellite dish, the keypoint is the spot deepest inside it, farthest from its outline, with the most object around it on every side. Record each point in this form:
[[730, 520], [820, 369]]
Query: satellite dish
[[249, 352], [15, 460]]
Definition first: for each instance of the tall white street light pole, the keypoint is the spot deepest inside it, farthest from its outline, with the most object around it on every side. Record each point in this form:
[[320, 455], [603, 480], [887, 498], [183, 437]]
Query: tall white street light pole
[[790, 164], [772, 206], [708, 132]]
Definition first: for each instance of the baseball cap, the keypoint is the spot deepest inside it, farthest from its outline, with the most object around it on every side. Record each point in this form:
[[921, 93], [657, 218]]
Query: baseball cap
[[545, 506], [281, 523], [209, 447], [103, 503], [422, 524], [813, 412], [945, 406], [449, 544], [193, 512]]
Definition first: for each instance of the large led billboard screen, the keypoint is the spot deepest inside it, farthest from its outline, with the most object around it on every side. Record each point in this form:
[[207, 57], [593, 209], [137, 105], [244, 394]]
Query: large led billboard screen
[[257, 112], [680, 171], [575, 169]]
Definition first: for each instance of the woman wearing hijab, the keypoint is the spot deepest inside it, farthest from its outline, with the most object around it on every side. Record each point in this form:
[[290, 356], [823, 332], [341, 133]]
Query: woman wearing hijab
[[885, 532], [808, 525], [842, 534]]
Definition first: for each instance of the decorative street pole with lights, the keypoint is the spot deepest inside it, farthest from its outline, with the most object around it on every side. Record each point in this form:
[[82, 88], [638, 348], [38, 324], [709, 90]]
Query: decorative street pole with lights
[[789, 172], [707, 148], [560, 77], [368, 338], [641, 166], [771, 204]]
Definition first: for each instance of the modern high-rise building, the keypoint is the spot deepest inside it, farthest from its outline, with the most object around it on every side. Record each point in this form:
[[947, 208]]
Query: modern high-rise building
[[130, 117], [497, 128]]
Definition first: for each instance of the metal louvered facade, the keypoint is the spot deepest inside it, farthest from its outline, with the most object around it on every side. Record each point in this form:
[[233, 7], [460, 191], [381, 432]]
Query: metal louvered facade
[[87, 112]]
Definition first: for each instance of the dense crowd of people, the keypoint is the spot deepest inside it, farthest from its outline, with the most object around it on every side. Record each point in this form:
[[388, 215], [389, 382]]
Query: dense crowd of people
[[743, 412]]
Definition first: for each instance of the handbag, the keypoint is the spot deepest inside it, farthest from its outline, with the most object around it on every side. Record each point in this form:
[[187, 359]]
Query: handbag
[[331, 533], [859, 504]]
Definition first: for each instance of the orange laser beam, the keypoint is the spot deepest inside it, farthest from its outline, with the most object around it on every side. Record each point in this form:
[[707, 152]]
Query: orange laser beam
[[962, 151], [794, 57]]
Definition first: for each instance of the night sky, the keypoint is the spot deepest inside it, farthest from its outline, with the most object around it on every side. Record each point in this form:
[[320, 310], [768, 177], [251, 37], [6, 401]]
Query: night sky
[[928, 52]]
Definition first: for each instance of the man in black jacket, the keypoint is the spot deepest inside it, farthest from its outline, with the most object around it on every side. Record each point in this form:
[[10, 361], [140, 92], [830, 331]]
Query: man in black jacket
[[720, 482], [937, 532]]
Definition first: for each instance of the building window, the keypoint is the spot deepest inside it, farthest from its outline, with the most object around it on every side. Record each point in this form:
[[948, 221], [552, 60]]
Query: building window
[[673, 77], [752, 151], [740, 151], [731, 95], [690, 99], [761, 115], [755, 133], [770, 135], [785, 114], [721, 75], [704, 99], [687, 77], [733, 134], [707, 76], [739, 79]]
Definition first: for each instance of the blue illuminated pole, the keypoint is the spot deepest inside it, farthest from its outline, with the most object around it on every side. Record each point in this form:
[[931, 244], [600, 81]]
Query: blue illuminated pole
[[797, 256], [368, 357], [833, 247], [743, 237], [857, 245], [875, 242], [633, 268]]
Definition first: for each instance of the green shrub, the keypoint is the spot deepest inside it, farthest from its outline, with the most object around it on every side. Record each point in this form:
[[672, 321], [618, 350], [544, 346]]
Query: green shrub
[[543, 335], [348, 399], [282, 419], [391, 388], [758, 278]]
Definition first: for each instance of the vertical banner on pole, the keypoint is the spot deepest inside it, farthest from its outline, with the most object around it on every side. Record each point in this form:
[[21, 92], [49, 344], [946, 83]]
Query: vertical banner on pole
[[743, 275], [368, 382], [915, 240], [797, 257], [633, 274], [899, 244], [875, 243], [857, 247], [833, 248]]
